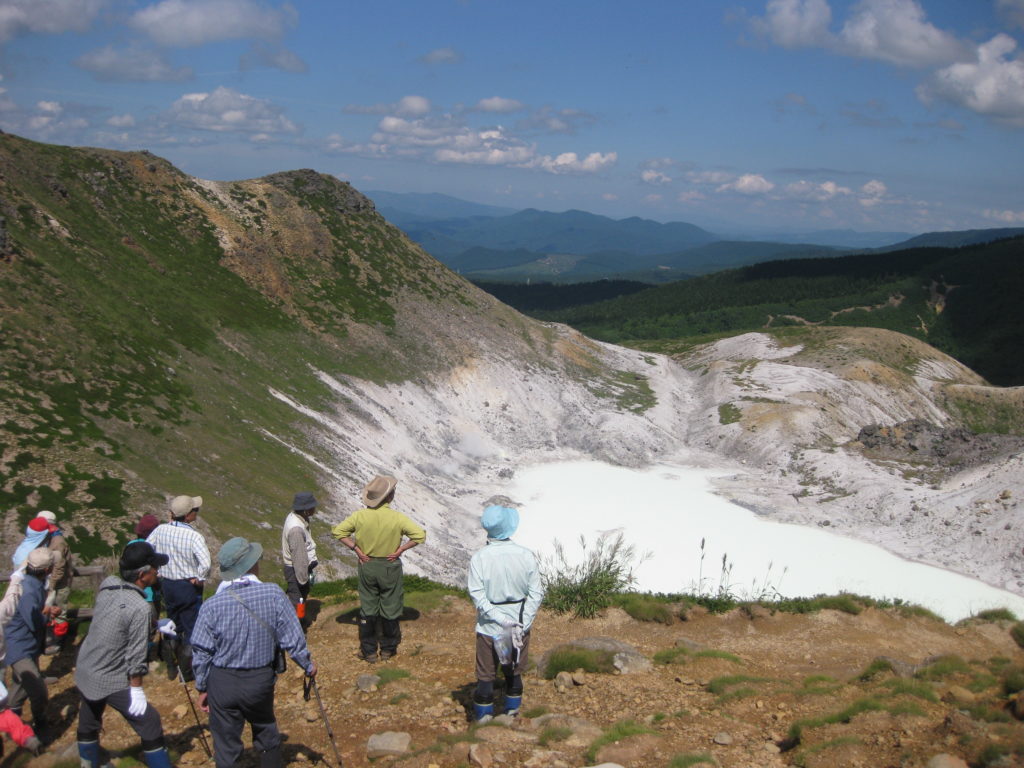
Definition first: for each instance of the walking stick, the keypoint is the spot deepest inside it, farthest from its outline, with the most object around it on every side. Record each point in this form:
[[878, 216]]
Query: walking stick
[[309, 683], [191, 704]]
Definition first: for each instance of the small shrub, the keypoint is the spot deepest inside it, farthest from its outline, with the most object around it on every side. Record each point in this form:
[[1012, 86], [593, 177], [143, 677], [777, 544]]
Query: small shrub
[[571, 658], [843, 716], [988, 714], [944, 666], [1012, 680], [875, 668], [996, 614], [390, 674], [645, 608], [533, 712], [801, 760], [901, 687], [588, 587], [719, 603], [711, 653], [691, 758], [621, 730], [553, 734], [1017, 633], [721, 685], [675, 655]]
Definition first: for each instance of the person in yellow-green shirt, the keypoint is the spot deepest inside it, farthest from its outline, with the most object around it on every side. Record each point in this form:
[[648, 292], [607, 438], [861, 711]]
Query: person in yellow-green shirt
[[375, 533]]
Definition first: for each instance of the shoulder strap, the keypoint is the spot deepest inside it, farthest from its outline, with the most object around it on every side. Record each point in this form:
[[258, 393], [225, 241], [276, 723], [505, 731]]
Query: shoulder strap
[[266, 626]]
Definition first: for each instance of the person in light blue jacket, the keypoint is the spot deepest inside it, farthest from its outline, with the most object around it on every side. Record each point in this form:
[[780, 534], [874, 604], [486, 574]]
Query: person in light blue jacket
[[505, 585]]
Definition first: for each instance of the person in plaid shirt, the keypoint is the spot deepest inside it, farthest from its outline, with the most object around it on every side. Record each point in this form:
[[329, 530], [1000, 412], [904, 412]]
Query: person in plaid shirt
[[234, 644], [182, 579]]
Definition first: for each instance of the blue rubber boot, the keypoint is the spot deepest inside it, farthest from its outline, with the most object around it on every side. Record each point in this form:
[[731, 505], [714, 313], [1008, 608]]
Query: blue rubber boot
[[157, 758], [483, 713], [89, 754], [513, 704]]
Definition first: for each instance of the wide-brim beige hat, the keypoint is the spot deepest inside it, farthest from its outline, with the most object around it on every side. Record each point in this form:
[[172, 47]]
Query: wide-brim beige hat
[[377, 490]]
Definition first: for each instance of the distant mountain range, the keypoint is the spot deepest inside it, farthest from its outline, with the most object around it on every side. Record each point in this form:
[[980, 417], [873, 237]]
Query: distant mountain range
[[488, 243]]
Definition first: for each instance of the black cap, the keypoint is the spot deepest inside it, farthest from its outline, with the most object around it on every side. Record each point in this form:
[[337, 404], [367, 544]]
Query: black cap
[[303, 500], [140, 553]]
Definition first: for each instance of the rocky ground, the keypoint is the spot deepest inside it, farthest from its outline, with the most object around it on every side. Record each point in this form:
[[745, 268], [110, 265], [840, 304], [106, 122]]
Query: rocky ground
[[741, 687]]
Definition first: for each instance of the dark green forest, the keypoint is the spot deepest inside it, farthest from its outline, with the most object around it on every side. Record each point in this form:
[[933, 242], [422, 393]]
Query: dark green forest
[[964, 301]]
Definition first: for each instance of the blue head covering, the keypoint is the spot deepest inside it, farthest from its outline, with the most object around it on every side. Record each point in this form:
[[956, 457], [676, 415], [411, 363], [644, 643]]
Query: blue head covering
[[499, 522], [33, 539]]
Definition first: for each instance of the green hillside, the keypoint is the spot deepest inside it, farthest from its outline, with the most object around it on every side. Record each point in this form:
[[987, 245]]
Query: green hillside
[[153, 323], [964, 301]]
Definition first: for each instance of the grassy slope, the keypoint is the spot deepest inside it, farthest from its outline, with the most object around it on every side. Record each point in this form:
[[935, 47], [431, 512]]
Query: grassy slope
[[137, 356]]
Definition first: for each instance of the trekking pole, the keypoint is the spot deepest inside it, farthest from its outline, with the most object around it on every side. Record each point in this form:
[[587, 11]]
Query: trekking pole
[[191, 704], [310, 683]]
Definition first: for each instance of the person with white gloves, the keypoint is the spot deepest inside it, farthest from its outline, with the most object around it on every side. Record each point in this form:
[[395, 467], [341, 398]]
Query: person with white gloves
[[505, 585], [112, 660]]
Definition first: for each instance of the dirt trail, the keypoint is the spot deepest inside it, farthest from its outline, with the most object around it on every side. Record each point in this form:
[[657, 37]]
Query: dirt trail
[[793, 666]]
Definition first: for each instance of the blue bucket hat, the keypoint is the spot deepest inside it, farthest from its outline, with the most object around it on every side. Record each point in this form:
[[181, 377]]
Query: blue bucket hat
[[499, 522]]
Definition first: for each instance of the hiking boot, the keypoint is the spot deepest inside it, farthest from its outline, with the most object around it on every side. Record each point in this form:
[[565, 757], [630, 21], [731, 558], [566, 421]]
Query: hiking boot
[[370, 658], [387, 655], [51, 650]]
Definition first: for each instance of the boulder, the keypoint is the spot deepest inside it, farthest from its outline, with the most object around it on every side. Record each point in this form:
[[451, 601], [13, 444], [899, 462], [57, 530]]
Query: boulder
[[387, 743]]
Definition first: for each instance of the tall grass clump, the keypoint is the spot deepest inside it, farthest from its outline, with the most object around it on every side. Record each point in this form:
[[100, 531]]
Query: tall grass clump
[[587, 587]]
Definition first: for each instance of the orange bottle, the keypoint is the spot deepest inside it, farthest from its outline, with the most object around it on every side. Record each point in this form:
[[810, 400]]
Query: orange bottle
[[300, 609]]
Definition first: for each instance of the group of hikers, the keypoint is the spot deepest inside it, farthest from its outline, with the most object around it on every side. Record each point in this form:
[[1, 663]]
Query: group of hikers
[[231, 646]]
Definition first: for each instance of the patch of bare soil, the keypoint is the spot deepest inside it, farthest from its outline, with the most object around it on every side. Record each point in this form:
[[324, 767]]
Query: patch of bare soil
[[754, 688]]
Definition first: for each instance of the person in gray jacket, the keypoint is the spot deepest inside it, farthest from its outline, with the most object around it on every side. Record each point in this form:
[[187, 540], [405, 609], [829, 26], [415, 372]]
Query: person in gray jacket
[[112, 659]]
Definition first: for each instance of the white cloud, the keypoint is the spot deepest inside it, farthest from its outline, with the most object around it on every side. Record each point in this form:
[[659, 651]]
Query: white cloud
[[873, 193], [796, 23], [187, 23], [132, 65], [896, 31], [413, 106], [992, 86], [690, 196], [407, 106], [1012, 11], [611, 197], [49, 107], [48, 17], [651, 176], [748, 184], [442, 56], [1006, 217], [808, 190], [226, 109], [274, 57], [499, 104], [652, 198], [121, 121], [570, 162]]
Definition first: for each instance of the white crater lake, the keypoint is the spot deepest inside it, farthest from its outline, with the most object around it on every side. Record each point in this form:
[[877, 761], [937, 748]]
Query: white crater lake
[[666, 511]]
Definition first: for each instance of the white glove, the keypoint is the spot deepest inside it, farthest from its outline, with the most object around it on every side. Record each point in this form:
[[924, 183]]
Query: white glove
[[509, 623], [167, 627], [138, 705]]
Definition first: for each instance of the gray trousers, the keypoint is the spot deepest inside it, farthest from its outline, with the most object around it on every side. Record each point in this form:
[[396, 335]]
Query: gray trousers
[[27, 683], [237, 697]]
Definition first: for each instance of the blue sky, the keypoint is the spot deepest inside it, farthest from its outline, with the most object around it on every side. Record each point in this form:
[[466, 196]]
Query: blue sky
[[900, 115]]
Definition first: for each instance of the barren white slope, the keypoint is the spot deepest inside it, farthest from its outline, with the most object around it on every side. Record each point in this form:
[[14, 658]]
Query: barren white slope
[[453, 442]]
